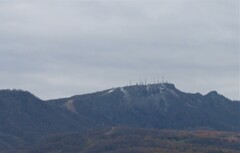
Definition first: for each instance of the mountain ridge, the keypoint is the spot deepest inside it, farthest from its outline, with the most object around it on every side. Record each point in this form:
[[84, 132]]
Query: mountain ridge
[[155, 100], [142, 85]]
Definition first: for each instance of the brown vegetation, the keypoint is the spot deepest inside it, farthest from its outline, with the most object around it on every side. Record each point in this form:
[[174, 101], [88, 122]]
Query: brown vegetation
[[137, 140]]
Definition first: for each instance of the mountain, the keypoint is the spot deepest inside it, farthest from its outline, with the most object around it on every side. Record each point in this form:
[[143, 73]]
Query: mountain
[[160, 106], [26, 120]]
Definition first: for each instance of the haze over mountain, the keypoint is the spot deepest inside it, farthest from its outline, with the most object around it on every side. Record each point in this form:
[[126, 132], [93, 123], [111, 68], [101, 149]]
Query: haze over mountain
[[25, 119]]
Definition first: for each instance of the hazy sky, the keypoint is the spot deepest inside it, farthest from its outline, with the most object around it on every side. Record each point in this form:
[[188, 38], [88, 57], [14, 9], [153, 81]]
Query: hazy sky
[[58, 48]]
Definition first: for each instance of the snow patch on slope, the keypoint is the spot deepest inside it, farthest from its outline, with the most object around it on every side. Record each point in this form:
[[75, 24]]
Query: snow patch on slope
[[125, 94], [70, 106], [124, 91]]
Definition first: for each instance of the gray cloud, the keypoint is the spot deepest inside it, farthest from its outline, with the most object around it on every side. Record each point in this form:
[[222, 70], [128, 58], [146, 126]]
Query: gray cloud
[[60, 48]]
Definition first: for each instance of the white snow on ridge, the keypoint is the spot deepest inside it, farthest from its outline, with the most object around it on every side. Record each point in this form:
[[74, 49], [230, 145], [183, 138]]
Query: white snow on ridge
[[110, 91]]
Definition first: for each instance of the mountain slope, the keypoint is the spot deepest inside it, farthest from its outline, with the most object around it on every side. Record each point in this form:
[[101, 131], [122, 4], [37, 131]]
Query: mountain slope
[[25, 116], [155, 106]]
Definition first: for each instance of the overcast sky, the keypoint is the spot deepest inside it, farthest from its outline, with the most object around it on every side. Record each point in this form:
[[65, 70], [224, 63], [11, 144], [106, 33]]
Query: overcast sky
[[58, 48]]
